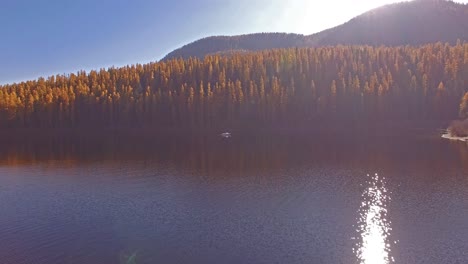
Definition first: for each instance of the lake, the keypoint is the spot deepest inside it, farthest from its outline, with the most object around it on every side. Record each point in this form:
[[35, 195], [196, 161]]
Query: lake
[[283, 198]]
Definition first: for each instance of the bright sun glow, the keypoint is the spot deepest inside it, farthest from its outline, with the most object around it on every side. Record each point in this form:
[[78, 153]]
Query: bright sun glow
[[374, 227], [309, 16]]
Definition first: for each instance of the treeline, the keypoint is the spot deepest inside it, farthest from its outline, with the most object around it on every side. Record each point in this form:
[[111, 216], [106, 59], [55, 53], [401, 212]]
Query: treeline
[[281, 87]]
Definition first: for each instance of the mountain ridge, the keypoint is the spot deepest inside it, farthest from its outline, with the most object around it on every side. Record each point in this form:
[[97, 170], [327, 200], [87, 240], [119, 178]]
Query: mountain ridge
[[416, 22], [247, 42]]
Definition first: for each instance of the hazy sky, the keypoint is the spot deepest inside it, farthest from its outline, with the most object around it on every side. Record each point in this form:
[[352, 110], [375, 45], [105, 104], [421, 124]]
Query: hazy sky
[[40, 38]]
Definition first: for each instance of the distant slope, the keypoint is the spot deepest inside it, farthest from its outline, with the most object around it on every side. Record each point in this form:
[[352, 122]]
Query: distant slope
[[228, 44], [407, 23]]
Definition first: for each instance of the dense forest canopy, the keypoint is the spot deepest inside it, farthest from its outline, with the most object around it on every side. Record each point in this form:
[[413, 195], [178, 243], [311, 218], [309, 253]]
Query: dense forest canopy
[[303, 86]]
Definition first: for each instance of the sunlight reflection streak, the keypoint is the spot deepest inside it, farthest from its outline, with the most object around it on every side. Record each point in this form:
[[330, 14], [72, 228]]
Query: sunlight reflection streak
[[373, 225]]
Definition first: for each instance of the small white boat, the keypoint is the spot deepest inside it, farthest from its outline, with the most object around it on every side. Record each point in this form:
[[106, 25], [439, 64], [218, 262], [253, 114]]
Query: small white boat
[[226, 135]]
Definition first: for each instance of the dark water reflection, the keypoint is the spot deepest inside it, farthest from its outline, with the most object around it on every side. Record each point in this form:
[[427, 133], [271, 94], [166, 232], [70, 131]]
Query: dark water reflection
[[284, 198]]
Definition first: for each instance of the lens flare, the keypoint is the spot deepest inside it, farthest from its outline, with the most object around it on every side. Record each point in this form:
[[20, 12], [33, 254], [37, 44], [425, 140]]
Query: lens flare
[[374, 228]]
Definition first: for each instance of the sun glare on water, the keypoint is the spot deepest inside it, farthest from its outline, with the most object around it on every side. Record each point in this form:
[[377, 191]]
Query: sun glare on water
[[373, 226]]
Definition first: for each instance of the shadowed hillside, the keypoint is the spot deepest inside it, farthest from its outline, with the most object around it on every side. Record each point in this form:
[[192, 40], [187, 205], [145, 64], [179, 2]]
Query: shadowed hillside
[[407, 23], [242, 43]]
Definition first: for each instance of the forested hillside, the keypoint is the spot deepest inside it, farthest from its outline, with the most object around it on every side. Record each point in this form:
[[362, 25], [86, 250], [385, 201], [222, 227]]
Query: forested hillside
[[303, 86], [407, 23], [230, 44], [416, 22]]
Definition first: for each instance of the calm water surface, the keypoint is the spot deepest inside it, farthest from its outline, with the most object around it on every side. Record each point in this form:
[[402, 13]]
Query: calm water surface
[[248, 199]]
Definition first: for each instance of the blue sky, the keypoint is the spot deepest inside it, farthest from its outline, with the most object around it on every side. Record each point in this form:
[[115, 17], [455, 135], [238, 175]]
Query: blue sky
[[41, 38]]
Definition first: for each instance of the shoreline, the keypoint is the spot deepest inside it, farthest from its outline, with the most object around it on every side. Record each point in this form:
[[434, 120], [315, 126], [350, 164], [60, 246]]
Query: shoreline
[[453, 138]]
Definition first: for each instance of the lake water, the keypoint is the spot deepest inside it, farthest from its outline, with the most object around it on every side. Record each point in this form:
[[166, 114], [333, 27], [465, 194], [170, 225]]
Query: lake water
[[301, 198]]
